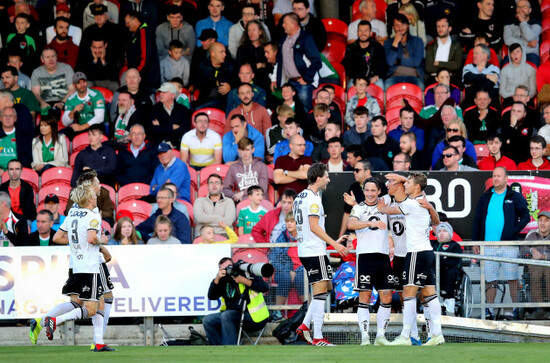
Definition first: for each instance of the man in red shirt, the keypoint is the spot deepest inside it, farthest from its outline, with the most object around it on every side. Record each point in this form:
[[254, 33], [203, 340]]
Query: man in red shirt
[[20, 192], [291, 170], [537, 161], [495, 158]]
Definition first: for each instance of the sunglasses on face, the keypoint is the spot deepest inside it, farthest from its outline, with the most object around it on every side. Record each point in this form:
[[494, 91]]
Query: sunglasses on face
[[448, 155], [453, 130], [357, 170]]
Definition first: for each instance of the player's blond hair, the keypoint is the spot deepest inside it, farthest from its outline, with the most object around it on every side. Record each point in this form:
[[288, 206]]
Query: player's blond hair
[[82, 194]]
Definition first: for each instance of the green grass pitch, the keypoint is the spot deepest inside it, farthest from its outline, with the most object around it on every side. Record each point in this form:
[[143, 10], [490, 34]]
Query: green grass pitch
[[463, 353]]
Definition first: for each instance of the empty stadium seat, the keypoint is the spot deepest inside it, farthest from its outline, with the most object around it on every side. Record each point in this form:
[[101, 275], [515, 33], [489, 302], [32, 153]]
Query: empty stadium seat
[[106, 93], [189, 210], [544, 49], [141, 210], [132, 191], [62, 191], [220, 169], [28, 175], [413, 94], [335, 51], [341, 74], [57, 175], [392, 116], [72, 158], [336, 29], [482, 151], [194, 176]]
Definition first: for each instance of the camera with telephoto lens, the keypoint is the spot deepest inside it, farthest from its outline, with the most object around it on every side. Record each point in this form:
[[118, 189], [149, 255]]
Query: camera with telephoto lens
[[252, 269]]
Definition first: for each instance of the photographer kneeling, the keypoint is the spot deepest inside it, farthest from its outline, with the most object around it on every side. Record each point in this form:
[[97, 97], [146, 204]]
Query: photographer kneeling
[[223, 328]]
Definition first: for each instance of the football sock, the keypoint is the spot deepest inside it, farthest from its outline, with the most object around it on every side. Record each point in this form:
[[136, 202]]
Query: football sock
[[60, 309], [435, 313], [97, 322], [80, 313], [382, 319], [318, 314], [363, 317], [409, 315], [107, 312]]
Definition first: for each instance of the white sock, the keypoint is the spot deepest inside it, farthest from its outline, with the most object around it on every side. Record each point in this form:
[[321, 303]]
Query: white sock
[[318, 314], [60, 309], [382, 319], [107, 313], [309, 315], [427, 317], [363, 317], [409, 315], [80, 313], [435, 313], [97, 322]]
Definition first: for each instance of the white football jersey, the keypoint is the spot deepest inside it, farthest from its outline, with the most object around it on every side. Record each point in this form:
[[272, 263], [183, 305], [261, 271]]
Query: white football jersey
[[397, 229], [85, 257], [417, 225], [307, 204], [371, 240]]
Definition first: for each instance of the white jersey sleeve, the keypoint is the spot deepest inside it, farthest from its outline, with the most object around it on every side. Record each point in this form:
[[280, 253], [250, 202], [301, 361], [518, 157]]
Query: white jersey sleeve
[[417, 224], [85, 256], [308, 204]]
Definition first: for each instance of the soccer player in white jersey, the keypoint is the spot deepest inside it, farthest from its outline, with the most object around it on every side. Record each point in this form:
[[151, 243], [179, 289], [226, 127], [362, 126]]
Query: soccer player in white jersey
[[419, 271], [397, 226], [312, 249], [82, 229], [373, 267]]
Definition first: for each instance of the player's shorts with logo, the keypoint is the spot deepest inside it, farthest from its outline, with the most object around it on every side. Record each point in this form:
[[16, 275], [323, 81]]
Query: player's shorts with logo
[[419, 269], [105, 278], [87, 286], [373, 270], [317, 268], [398, 265]]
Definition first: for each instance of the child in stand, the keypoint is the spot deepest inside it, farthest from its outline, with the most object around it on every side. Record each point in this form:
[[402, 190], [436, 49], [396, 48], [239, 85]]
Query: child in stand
[[450, 266], [23, 43], [251, 214], [163, 233], [182, 98], [276, 132], [208, 235], [175, 64]]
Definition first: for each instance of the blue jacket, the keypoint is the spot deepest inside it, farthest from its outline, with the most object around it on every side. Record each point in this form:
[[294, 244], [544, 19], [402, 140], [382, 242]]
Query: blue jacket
[[230, 146], [418, 132], [221, 27], [516, 215], [394, 56], [178, 174], [304, 49], [180, 226]]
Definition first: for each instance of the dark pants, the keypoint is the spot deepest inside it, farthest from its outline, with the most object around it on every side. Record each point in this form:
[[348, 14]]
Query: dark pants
[[223, 328]]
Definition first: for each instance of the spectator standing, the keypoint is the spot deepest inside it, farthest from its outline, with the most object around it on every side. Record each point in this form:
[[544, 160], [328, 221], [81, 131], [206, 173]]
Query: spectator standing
[[175, 29], [525, 31], [215, 21]]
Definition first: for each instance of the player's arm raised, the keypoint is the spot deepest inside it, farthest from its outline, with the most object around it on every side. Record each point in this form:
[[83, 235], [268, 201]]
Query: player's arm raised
[[315, 228], [433, 213], [386, 209], [61, 238]]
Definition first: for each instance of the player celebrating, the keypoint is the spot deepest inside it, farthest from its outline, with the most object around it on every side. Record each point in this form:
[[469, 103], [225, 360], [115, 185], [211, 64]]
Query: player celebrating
[[419, 271], [373, 261], [82, 229], [312, 250], [396, 191]]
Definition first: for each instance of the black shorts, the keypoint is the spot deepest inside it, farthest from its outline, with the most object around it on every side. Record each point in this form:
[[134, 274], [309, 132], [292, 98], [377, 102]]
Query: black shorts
[[105, 278], [419, 269], [398, 267], [373, 270], [317, 268], [87, 286]]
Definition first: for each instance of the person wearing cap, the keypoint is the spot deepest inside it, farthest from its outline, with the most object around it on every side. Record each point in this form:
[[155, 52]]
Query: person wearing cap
[[141, 49], [207, 38], [168, 120], [136, 163], [215, 21], [44, 232], [450, 266], [84, 108], [21, 192], [63, 10], [539, 274], [175, 29], [99, 7], [51, 204], [173, 170], [62, 43], [52, 83], [98, 156]]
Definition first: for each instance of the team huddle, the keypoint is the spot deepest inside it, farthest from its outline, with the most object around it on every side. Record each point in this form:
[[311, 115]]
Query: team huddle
[[88, 285], [408, 215]]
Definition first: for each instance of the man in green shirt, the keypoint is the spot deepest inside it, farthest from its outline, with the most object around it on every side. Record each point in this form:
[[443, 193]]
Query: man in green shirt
[[441, 93], [8, 146], [10, 78], [84, 108]]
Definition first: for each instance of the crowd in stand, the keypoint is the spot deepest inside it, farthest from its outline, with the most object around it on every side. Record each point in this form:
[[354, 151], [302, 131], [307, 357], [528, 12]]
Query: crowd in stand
[[220, 107]]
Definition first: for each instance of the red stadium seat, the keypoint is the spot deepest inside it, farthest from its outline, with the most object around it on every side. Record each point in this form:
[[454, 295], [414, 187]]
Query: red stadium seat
[[482, 151], [176, 153], [189, 210], [250, 255], [246, 238], [271, 193], [28, 175], [72, 158], [106, 226], [220, 169], [112, 193], [132, 191], [141, 210], [341, 74], [335, 51], [57, 175], [544, 49], [545, 36], [339, 92], [194, 176], [336, 29], [106, 93], [377, 93], [203, 191], [397, 92], [245, 203], [80, 142], [545, 5], [392, 116], [193, 192], [270, 170], [217, 119], [62, 191]]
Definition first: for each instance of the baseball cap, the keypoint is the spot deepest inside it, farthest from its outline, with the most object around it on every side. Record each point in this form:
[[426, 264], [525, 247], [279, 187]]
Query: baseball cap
[[207, 34], [163, 147], [544, 213], [124, 213], [98, 9], [62, 7], [51, 198], [78, 76], [168, 87]]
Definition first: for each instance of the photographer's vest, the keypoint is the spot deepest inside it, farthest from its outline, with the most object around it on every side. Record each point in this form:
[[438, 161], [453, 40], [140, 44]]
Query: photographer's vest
[[256, 307]]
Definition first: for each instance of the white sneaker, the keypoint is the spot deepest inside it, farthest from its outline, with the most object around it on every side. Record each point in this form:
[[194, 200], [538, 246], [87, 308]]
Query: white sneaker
[[365, 340], [435, 340], [401, 340], [381, 340]]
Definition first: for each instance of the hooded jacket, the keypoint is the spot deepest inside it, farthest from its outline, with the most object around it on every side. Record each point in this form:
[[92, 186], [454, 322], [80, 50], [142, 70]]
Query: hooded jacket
[[240, 177]]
